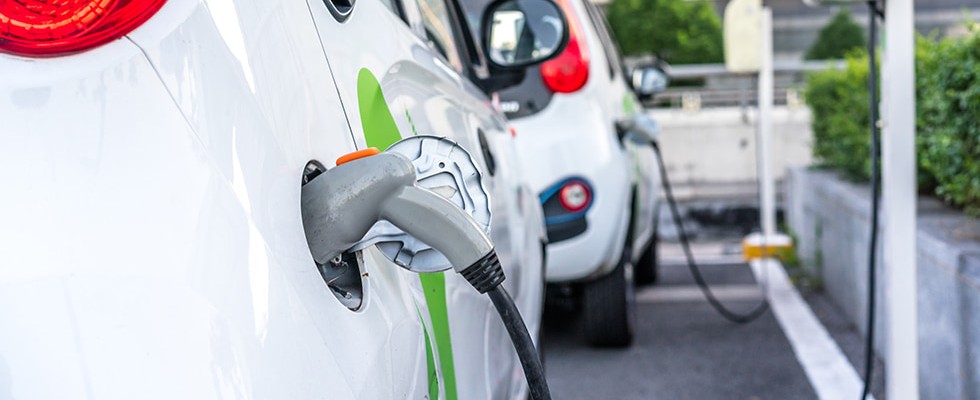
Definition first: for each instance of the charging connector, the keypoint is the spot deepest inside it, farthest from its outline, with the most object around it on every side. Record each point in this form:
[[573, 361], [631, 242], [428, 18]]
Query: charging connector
[[342, 204]]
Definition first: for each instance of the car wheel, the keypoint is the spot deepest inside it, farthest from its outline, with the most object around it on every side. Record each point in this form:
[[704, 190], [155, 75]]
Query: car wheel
[[608, 307], [646, 267]]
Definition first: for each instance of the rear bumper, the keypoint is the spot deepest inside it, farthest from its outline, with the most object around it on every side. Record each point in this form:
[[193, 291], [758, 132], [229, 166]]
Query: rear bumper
[[561, 142]]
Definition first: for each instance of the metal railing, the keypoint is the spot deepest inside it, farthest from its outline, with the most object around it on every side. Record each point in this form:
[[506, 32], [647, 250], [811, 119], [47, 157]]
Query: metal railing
[[711, 85]]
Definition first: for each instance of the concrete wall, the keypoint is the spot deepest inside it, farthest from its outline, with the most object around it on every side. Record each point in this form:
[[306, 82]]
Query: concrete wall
[[709, 153], [831, 220], [949, 306]]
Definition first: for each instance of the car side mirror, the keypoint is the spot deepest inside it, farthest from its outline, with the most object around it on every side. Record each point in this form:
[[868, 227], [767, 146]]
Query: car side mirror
[[649, 81], [521, 33]]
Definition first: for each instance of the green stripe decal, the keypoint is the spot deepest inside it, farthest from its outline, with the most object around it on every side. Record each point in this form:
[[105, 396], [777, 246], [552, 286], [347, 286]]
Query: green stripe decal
[[380, 131], [430, 365], [376, 120], [434, 287], [629, 104]]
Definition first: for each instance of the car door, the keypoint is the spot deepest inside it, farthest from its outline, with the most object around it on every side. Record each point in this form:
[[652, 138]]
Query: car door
[[399, 69]]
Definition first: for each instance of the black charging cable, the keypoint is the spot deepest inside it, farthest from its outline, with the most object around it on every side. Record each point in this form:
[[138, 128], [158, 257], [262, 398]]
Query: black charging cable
[[873, 13], [526, 352], [730, 315], [486, 276]]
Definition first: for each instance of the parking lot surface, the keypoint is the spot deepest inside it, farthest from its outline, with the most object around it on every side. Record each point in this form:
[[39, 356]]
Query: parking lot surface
[[682, 350]]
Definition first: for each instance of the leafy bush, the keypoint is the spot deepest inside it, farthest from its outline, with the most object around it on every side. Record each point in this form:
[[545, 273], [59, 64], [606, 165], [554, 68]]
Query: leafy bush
[[839, 101], [948, 102], [948, 118], [679, 32], [838, 38]]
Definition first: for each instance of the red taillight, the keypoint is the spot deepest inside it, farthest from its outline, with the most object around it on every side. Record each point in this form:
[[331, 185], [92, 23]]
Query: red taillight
[[575, 196], [569, 71], [45, 28]]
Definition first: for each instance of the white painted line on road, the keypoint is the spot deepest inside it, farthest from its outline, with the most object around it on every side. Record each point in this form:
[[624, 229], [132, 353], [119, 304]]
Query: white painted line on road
[[691, 293], [726, 261], [825, 365]]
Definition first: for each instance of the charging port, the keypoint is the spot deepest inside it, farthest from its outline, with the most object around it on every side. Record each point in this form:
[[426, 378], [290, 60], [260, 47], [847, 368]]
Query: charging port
[[343, 274]]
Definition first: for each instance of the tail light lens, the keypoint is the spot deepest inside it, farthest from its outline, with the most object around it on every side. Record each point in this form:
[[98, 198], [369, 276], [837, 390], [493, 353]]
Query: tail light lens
[[575, 196], [47, 28], [569, 71]]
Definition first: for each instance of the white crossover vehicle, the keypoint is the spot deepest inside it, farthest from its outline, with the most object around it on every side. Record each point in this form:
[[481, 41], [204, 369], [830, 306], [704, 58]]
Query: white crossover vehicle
[[596, 177], [152, 238]]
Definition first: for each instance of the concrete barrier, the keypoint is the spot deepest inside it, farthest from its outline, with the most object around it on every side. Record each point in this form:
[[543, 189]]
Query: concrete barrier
[[831, 219], [712, 152]]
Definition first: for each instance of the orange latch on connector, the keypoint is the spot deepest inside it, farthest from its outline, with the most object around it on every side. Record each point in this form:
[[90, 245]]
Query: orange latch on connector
[[368, 152]]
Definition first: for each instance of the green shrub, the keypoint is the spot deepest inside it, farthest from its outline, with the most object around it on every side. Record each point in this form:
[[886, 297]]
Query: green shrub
[[948, 118], [679, 32], [838, 38], [948, 108], [839, 101]]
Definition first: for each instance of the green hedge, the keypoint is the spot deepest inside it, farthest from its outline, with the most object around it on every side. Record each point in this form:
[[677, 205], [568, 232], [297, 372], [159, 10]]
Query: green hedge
[[948, 102], [678, 32], [839, 102], [948, 118]]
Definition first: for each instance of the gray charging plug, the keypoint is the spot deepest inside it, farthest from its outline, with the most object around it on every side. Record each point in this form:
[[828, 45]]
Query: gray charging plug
[[342, 204]]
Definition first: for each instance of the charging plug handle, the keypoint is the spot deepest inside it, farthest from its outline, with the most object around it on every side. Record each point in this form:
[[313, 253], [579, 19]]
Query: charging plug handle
[[343, 203], [447, 228]]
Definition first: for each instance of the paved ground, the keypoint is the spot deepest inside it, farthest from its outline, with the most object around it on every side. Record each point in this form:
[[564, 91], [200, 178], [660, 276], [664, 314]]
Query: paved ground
[[851, 342], [683, 350]]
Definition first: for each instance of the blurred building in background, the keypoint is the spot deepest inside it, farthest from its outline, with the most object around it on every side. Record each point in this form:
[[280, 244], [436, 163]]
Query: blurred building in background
[[795, 25]]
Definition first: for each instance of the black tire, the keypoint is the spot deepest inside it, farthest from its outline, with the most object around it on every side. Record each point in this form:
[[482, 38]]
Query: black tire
[[646, 267], [609, 315]]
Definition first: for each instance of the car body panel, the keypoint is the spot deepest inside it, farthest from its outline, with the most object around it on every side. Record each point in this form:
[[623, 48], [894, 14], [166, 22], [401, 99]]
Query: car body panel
[[196, 284], [151, 242], [425, 95], [574, 135], [597, 159]]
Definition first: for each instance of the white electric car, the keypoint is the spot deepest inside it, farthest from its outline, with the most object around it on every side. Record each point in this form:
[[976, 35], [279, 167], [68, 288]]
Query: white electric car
[[597, 180], [151, 233]]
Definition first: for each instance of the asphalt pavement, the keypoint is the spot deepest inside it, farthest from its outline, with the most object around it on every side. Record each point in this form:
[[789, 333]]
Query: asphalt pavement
[[683, 348]]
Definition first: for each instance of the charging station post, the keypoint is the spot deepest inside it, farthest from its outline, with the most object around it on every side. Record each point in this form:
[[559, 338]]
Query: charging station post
[[748, 49], [898, 187]]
